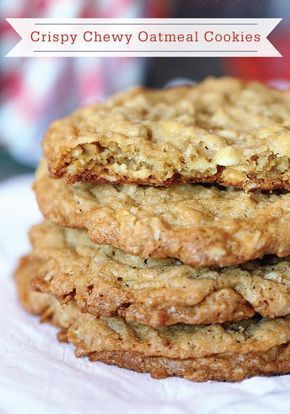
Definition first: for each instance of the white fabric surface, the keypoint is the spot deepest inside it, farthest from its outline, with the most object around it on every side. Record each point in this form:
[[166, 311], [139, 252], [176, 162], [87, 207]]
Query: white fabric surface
[[40, 376]]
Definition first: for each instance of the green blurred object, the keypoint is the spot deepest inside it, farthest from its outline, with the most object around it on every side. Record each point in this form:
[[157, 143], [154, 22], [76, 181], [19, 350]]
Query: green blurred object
[[9, 167]]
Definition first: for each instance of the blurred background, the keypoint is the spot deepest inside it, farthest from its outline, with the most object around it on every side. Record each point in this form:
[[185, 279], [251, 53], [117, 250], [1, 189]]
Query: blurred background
[[36, 91]]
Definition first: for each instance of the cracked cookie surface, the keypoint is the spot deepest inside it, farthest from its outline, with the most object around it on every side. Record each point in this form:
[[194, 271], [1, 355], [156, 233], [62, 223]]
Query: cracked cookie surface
[[201, 226], [221, 130]]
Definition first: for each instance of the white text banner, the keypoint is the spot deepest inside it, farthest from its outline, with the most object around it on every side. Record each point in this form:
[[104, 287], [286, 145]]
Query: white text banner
[[143, 37]]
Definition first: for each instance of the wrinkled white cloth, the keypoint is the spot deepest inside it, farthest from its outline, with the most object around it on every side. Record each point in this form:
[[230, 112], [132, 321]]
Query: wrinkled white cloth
[[38, 375]]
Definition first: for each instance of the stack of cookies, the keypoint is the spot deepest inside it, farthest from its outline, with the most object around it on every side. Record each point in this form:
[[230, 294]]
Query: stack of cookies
[[167, 229]]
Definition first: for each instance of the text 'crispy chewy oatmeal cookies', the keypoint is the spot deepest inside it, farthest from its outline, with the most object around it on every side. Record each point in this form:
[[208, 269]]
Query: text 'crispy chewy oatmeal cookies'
[[201, 226], [230, 352], [222, 130], [105, 281]]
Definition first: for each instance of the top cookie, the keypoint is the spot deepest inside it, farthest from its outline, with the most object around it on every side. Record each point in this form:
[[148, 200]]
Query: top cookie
[[221, 130]]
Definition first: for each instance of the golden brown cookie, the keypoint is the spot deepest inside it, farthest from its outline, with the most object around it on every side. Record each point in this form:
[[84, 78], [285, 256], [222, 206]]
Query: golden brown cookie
[[227, 352], [200, 226], [221, 130], [105, 281]]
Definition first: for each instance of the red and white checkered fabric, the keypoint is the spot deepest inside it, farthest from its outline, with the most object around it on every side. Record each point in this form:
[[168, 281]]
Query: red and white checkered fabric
[[34, 91]]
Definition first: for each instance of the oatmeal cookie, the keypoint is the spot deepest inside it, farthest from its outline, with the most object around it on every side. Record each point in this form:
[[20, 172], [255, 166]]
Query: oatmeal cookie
[[200, 226], [229, 352], [222, 130], [105, 281]]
